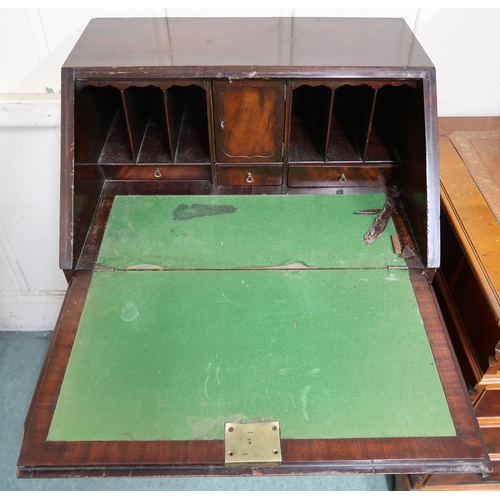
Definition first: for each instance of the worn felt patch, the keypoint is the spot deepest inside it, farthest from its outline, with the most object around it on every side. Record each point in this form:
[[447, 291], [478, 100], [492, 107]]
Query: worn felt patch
[[239, 232], [175, 354]]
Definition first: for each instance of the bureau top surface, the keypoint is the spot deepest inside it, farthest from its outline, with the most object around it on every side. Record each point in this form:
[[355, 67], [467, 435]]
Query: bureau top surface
[[258, 45]]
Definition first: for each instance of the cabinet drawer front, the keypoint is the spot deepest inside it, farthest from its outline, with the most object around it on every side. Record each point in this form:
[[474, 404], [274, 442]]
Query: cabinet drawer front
[[314, 176], [269, 175], [159, 172]]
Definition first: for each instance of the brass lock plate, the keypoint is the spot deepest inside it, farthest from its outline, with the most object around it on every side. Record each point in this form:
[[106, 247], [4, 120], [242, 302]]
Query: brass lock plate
[[253, 443]]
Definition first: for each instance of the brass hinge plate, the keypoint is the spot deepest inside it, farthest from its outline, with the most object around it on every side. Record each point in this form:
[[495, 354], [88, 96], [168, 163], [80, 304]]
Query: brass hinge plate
[[255, 443]]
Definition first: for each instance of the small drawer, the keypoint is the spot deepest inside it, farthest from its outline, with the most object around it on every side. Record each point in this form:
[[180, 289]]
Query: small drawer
[[487, 409], [254, 175], [328, 176], [158, 172]]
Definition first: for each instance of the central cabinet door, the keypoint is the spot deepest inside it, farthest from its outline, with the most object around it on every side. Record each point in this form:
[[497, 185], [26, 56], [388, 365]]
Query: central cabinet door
[[249, 118]]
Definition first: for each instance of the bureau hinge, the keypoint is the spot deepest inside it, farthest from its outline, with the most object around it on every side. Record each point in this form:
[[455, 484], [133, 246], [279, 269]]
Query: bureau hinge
[[253, 443], [284, 93]]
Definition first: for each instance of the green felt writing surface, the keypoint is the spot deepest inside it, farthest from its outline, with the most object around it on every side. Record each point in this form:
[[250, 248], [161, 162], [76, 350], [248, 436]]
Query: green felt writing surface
[[238, 232], [175, 354]]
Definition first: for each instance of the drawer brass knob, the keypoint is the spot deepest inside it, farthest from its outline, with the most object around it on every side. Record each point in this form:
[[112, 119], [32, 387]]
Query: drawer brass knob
[[157, 173], [249, 177], [343, 179]]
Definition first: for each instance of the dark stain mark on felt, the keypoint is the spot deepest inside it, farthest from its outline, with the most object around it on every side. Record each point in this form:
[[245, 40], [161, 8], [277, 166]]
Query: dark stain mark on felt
[[186, 212]]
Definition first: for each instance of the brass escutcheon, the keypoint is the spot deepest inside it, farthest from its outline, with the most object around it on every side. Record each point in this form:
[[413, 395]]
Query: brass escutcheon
[[343, 179], [249, 177]]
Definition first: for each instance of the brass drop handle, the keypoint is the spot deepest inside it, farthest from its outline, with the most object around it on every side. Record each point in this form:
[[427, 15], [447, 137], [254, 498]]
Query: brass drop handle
[[343, 179], [249, 178], [157, 173]]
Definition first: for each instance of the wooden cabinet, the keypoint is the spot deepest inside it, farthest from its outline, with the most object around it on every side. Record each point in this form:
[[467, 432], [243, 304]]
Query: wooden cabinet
[[303, 130], [467, 283]]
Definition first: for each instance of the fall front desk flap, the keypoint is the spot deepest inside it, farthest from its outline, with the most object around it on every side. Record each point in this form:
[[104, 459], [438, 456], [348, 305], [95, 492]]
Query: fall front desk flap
[[209, 309]]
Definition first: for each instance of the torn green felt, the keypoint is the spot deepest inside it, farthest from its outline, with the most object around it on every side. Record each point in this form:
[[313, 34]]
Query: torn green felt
[[239, 232]]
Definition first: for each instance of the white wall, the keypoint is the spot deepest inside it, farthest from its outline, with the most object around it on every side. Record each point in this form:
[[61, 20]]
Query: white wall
[[462, 43]]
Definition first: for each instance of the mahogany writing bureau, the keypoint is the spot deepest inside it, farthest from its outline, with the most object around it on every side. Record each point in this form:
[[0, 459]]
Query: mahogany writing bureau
[[249, 228]]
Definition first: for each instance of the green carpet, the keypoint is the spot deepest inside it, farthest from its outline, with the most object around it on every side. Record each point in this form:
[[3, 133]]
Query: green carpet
[[174, 355]]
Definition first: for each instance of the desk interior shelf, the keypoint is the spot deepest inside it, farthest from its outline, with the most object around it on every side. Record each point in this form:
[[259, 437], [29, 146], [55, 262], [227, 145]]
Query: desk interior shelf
[[145, 125]]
